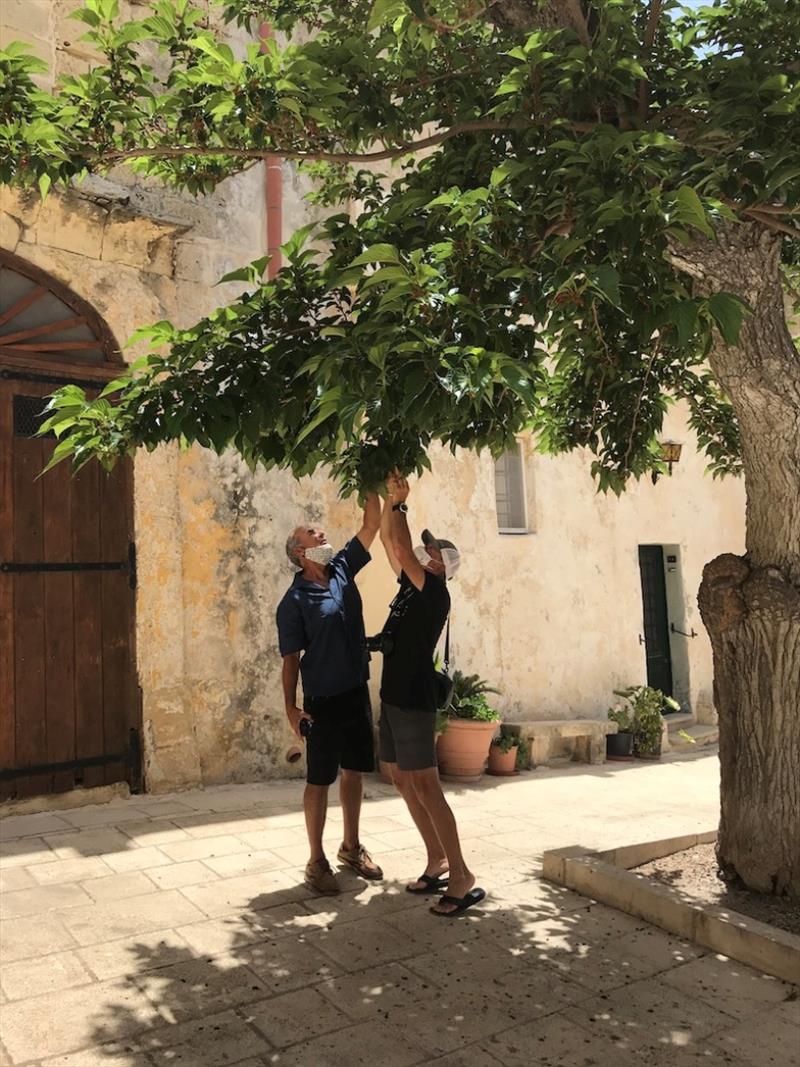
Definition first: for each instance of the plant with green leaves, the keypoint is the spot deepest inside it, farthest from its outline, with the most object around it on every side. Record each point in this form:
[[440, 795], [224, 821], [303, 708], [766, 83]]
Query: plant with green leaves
[[642, 712], [592, 214], [505, 740], [469, 699]]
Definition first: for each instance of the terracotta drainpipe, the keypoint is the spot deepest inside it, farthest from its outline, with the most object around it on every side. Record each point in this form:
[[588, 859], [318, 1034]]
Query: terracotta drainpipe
[[274, 195]]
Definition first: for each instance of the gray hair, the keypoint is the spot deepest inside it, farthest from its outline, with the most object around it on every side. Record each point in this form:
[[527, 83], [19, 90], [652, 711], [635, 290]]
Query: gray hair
[[292, 545]]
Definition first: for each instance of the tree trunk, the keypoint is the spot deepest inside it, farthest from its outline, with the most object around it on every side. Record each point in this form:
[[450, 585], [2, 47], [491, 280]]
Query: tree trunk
[[751, 605]]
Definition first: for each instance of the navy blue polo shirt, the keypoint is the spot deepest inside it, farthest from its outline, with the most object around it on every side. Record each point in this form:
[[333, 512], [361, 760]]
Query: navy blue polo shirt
[[327, 626]]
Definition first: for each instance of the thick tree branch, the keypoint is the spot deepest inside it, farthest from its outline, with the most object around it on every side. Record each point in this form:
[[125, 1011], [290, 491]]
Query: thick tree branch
[[653, 18], [578, 22], [178, 151]]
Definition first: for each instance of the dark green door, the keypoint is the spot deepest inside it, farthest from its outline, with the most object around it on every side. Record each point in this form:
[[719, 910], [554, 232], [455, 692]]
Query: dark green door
[[656, 622]]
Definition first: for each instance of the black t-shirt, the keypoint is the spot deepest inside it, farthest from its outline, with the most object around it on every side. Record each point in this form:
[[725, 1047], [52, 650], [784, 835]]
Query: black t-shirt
[[416, 619]]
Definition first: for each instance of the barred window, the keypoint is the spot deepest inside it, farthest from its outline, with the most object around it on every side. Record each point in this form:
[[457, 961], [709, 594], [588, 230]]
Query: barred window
[[509, 491]]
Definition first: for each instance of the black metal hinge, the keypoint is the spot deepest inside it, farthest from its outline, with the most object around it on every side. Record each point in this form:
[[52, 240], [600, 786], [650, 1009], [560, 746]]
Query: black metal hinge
[[33, 568]]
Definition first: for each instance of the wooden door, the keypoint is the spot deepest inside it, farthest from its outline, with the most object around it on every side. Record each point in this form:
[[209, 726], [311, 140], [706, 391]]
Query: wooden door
[[656, 620], [69, 699]]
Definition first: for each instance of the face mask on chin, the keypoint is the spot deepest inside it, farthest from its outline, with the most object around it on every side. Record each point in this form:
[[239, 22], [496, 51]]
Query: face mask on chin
[[321, 554]]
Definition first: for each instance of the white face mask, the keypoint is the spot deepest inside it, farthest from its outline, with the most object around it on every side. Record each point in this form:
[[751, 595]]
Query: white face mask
[[421, 553], [321, 554], [450, 559]]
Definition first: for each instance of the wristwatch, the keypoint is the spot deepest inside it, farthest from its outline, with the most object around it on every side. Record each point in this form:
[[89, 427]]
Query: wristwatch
[[402, 506]]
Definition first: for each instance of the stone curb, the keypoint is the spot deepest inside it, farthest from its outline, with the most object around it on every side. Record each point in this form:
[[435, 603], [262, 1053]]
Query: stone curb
[[606, 876]]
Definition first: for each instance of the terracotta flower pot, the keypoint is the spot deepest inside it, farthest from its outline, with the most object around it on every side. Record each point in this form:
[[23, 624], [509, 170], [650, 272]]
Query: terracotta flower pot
[[463, 748], [502, 763]]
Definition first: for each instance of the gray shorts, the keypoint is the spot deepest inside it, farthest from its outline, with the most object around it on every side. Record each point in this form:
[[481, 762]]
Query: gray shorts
[[407, 737]]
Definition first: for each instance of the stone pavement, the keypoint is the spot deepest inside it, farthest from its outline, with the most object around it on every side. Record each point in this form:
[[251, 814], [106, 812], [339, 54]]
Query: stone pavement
[[174, 932]]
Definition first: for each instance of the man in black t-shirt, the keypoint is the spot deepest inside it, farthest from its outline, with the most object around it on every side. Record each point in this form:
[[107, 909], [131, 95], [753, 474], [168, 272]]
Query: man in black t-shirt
[[408, 699]]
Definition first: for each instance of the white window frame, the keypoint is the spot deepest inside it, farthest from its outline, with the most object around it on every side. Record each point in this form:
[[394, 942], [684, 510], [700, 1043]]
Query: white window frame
[[515, 530]]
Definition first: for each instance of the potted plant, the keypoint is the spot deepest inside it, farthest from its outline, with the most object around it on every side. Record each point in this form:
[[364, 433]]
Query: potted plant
[[503, 753], [644, 709], [469, 722], [619, 746]]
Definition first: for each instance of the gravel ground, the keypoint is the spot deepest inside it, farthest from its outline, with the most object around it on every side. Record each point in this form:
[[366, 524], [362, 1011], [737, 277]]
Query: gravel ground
[[694, 873]]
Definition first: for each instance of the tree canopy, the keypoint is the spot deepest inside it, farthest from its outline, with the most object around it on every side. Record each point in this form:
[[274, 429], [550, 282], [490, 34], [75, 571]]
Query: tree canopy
[[511, 187]]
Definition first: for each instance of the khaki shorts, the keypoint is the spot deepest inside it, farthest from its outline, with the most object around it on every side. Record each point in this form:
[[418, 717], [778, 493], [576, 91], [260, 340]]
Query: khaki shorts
[[407, 737]]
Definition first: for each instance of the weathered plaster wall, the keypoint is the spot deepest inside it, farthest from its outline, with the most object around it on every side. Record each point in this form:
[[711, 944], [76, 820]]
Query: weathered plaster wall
[[209, 535], [553, 617]]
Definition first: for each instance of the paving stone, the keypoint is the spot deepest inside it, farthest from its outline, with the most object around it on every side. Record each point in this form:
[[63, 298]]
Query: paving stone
[[158, 806], [138, 859], [356, 1046], [204, 848], [103, 842], [75, 1018], [76, 870], [472, 1056], [30, 937], [15, 878], [649, 1013], [287, 963], [15, 826], [554, 1041], [379, 900], [153, 832], [294, 1017], [24, 853], [197, 987], [135, 955], [119, 886], [354, 946], [42, 898], [102, 815], [45, 974], [728, 985], [217, 1039], [247, 893], [144, 914], [177, 875], [227, 935], [110, 1055], [244, 863], [388, 988], [769, 1039], [222, 825]]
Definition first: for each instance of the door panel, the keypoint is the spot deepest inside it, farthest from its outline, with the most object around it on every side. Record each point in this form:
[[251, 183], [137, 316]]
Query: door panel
[[656, 622], [66, 610]]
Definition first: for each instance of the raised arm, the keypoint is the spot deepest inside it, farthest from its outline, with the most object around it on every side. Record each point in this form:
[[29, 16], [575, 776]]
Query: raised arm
[[401, 535], [386, 535], [371, 521]]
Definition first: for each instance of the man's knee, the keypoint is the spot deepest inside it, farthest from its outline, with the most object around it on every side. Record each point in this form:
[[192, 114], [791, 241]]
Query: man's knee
[[425, 783], [353, 777], [401, 779]]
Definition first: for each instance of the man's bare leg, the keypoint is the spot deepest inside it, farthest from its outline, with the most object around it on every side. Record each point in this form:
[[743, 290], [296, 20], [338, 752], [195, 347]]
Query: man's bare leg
[[432, 799], [351, 791], [437, 856], [315, 808]]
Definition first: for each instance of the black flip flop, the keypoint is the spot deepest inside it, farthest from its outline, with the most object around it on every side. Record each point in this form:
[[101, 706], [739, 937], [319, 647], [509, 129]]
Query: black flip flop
[[475, 896], [432, 885]]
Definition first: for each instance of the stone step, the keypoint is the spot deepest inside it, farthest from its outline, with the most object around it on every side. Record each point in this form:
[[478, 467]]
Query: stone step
[[679, 720], [702, 735]]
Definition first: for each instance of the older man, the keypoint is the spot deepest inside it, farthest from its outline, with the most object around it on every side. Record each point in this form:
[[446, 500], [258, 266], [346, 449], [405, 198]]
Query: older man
[[321, 638]]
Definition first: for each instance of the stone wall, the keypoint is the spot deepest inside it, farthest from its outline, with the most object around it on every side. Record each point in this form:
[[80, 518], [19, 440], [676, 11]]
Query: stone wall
[[209, 535], [552, 617]]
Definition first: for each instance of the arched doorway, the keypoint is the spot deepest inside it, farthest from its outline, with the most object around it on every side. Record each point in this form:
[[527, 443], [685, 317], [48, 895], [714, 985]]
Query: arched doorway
[[69, 699]]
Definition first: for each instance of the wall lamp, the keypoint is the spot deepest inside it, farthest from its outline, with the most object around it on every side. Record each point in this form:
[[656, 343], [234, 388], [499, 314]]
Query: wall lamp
[[670, 454]]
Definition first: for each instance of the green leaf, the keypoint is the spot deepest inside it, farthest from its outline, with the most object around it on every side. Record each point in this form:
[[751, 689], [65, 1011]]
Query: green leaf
[[683, 316], [606, 279], [383, 11], [689, 210], [380, 253], [324, 413], [729, 312], [45, 181]]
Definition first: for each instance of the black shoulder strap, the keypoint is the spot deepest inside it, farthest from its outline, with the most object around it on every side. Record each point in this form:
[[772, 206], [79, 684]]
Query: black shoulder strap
[[447, 645]]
